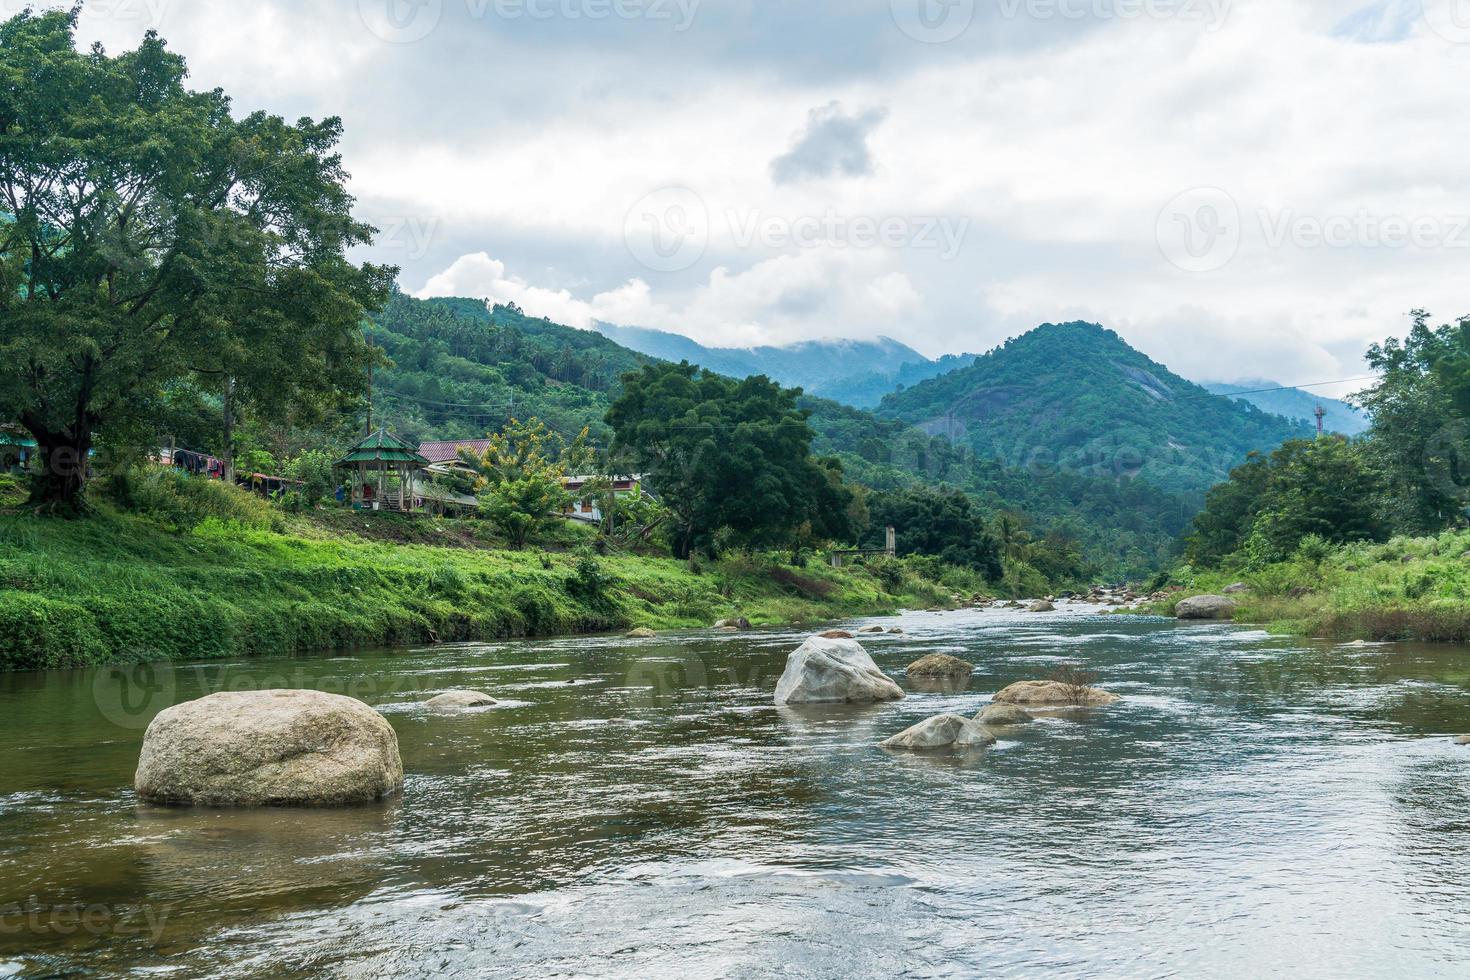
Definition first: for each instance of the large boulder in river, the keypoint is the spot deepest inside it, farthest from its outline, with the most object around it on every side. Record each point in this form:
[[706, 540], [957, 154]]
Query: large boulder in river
[[940, 665], [826, 671], [1205, 607], [461, 699], [1004, 715], [1054, 694], [641, 633], [941, 732], [1041, 606], [269, 748]]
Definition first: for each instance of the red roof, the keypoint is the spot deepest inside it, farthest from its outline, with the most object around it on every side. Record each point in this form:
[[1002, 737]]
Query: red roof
[[448, 452]]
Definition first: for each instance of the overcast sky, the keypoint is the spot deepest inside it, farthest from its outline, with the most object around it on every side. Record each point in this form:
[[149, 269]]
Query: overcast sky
[[1241, 188]]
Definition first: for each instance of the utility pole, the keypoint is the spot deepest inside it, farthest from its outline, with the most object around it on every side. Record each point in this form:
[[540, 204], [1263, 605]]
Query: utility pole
[[1321, 415]]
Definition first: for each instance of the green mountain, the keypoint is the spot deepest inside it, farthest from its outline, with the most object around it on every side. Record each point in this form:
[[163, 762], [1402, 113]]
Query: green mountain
[[460, 370], [854, 372], [1075, 396], [1294, 403]]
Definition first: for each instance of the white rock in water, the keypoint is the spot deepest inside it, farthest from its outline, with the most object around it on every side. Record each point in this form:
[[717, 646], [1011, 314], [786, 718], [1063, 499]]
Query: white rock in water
[[834, 671], [269, 748], [941, 732], [461, 699], [1000, 715]]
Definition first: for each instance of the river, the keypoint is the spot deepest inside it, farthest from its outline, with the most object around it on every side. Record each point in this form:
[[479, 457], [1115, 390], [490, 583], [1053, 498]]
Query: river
[[1255, 806]]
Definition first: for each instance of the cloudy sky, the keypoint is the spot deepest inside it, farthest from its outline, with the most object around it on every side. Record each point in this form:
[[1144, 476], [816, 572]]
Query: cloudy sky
[[1241, 188]]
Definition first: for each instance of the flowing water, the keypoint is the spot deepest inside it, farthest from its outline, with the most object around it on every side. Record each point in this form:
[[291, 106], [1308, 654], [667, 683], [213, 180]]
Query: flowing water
[[1255, 806]]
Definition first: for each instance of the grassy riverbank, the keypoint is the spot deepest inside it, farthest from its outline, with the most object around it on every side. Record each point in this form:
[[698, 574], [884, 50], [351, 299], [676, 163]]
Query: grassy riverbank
[[1406, 589], [123, 587]]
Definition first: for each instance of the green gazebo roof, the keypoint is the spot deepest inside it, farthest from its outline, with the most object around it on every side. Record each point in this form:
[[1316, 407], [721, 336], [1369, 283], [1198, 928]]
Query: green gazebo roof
[[380, 447]]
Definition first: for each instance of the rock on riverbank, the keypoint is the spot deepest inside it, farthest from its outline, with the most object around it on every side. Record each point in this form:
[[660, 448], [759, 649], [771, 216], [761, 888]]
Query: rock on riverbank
[[1205, 607]]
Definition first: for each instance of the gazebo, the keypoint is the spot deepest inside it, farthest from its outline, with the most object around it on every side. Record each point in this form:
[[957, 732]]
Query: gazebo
[[384, 455]]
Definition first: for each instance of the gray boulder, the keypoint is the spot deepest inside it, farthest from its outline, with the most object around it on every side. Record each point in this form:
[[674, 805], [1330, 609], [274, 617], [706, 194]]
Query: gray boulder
[[733, 624], [641, 633], [941, 732], [1054, 694], [1004, 715], [1237, 588], [1205, 607], [461, 699], [269, 748], [1463, 740], [1042, 606], [940, 665], [834, 671]]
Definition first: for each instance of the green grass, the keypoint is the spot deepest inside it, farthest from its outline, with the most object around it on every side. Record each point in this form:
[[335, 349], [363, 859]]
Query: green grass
[[1406, 589], [119, 587]]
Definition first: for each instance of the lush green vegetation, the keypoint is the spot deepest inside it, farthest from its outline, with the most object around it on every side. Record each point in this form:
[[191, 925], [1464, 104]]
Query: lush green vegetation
[[1364, 538], [1076, 397], [208, 571], [157, 236]]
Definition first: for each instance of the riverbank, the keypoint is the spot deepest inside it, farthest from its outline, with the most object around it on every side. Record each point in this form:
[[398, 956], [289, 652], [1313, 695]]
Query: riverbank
[[123, 588], [1406, 589]]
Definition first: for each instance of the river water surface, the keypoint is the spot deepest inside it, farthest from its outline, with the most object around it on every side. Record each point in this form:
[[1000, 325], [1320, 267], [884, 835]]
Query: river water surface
[[1255, 806]]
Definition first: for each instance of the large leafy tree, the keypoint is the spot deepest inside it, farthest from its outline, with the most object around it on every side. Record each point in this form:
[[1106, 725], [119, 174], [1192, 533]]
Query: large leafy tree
[[521, 478], [151, 236], [1420, 437], [725, 455], [939, 522]]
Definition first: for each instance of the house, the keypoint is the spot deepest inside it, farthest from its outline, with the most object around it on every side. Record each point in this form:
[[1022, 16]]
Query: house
[[589, 508]]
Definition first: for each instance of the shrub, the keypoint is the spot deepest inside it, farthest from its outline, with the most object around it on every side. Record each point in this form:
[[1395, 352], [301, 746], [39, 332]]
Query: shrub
[[37, 633], [183, 501]]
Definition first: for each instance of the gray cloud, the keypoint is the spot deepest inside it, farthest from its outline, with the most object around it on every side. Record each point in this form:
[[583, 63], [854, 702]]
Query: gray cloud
[[832, 143]]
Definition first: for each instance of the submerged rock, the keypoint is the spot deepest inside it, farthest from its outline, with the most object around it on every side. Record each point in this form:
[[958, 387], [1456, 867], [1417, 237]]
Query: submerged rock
[[1205, 607], [733, 624], [896, 631], [461, 699], [1001, 715], [641, 633], [269, 748], [941, 732], [834, 671], [837, 635], [1042, 606], [1053, 694], [940, 665], [871, 629]]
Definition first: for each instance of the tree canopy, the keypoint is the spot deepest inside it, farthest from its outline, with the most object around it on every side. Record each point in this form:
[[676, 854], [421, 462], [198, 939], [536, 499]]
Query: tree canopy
[[151, 236]]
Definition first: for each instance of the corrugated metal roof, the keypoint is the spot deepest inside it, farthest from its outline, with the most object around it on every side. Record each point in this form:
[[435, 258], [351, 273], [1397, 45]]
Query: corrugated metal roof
[[381, 447], [448, 452]]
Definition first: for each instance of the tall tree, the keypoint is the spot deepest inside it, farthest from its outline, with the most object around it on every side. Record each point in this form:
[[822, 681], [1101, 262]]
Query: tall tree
[[152, 236], [723, 455]]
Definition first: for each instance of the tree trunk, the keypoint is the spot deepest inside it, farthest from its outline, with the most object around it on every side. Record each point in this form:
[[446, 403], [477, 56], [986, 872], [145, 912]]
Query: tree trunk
[[229, 428], [59, 485]]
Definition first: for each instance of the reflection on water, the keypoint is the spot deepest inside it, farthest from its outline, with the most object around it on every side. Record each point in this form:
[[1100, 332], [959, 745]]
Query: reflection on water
[[1254, 806]]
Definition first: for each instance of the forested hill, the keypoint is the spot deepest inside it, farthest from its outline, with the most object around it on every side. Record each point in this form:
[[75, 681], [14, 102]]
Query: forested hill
[[1077, 396], [461, 370]]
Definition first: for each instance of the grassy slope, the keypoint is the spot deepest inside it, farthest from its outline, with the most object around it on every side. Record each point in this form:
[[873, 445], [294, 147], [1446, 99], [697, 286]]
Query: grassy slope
[[1407, 589], [122, 588]]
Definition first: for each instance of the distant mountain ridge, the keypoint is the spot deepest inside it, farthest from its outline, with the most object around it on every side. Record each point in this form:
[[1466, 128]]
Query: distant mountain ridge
[[1077, 396], [1294, 403], [854, 372]]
